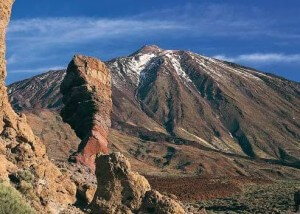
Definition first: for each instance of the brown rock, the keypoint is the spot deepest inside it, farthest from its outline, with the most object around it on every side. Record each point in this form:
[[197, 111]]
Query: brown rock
[[119, 189], [202, 211], [86, 192], [156, 203], [86, 93], [21, 151], [122, 191]]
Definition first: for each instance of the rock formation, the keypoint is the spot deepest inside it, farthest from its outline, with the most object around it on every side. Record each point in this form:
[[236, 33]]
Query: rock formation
[[154, 202], [122, 191], [23, 157], [86, 93]]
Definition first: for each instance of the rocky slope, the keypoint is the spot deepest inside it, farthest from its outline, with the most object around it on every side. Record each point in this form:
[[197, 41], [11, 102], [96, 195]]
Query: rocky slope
[[87, 107], [44, 90], [58, 137], [183, 112], [219, 105], [24, 162]]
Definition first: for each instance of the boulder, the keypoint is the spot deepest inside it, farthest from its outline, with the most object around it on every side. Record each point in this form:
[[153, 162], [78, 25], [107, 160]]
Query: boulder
[[121, 190], [154, 202], [86, 192]]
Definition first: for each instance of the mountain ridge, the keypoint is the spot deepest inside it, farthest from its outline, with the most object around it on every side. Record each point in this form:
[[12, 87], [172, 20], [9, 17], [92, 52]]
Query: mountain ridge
[[185, 98]]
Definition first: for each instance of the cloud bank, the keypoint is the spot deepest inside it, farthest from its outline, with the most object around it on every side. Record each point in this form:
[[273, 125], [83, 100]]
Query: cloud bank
[[78, 30], [262, 58]]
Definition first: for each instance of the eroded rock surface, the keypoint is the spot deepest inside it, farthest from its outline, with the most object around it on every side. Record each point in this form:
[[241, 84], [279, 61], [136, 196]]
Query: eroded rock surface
[[23, 157], [86, 93], [154, 202], [122, 191]]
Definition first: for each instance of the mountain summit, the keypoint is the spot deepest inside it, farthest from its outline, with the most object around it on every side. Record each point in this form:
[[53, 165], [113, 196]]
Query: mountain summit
[[181, 109], [149, 49]]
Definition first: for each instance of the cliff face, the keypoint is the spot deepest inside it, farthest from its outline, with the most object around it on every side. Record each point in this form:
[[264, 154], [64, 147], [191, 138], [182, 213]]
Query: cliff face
[[86, 93], [21, 152]]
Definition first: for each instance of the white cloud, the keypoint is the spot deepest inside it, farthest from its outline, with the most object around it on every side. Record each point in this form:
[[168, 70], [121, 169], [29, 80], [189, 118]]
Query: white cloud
[[36, 42], [261, 58], [224, 58], [210, 20], [78, 30], [37, 70]]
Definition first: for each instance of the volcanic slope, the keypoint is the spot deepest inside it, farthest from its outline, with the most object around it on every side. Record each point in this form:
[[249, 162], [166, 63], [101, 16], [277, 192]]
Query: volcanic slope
[[177, 111]]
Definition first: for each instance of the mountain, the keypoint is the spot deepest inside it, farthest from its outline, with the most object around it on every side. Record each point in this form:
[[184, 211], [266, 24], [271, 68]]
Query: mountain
[[177, 111], [38, 92]]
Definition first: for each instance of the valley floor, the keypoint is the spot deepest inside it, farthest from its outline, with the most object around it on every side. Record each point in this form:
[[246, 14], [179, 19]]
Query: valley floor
[[234, 195]]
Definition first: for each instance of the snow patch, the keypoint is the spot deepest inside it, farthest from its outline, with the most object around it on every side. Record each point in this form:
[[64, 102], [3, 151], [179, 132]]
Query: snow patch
[[177, 66], [240, 72], [210, 69], [200, 140], [136, 65], [131, 67]]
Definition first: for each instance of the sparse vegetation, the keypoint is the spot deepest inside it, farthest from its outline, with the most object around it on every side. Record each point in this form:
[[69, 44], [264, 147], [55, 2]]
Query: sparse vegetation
[[26, 175], [272, 198], [24, 181], [11, 201], [27, 189]]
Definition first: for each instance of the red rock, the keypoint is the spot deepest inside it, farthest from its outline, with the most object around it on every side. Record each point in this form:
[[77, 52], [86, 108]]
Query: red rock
[[86, 93]]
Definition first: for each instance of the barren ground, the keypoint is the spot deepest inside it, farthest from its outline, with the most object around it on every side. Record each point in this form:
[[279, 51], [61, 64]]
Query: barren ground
[[230, 195]]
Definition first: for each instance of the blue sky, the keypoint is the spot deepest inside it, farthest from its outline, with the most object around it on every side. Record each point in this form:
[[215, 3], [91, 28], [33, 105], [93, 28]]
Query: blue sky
[[45, 34]]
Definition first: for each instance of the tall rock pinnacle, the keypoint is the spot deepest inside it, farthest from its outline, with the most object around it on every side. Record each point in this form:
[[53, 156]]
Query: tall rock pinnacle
[[86, 93]]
